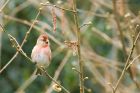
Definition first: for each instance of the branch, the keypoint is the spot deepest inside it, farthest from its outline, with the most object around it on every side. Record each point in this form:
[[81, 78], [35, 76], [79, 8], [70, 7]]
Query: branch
[[127, 62], [19, 49], [121, 36], [81, 77], [23, 42], [4, 5], [35, 27], [3, 30], [58, 71], [132, 62], [27, 83], [48, 75], [105, 37], [49, 4]]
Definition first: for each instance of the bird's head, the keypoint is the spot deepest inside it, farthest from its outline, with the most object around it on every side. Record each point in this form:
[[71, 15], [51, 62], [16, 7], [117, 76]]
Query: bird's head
[[43, 40]]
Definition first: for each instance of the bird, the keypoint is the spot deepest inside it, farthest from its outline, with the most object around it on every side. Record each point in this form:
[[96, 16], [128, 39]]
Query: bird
[[41, 53]]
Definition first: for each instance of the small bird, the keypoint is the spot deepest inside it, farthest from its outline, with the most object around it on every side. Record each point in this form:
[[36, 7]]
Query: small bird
[[41, 53]]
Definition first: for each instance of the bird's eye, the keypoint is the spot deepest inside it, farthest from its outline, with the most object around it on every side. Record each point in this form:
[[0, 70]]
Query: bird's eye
[[47, 42]]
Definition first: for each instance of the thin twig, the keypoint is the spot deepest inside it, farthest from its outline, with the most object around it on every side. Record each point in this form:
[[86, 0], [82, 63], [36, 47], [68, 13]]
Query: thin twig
[[28, 32], [33, 76], [4, 5], [111, 86], [85, 24], [121, 36], [19, 8], [76, 70], [119, 27], [132, 62], [58, 71], [23, 42], [105, 37], [27, 83], [35, 27], [81, 77], [19, 49], [92, 13], [2, 27], [48, 75], [127, 62], [9, 62], [49, 4], [88, 89]]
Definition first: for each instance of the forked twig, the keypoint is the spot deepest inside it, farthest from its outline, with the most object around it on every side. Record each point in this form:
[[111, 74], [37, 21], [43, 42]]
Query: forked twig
[[18, 48], [132, 62], [23, 42], [127, 62]]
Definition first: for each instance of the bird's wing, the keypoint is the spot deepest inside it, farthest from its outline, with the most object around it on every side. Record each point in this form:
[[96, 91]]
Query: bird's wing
[[33, 53], [49, 54]]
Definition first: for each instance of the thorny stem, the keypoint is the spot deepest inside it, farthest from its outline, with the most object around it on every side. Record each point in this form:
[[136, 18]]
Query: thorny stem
[[127, 63], [23, 42], [81, 77]]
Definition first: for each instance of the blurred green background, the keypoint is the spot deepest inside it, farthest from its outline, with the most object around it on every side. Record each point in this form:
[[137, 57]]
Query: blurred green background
[[101, 47]]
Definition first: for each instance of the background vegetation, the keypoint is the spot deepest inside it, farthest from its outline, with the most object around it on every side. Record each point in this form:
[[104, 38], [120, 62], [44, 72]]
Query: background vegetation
[[110, 47]]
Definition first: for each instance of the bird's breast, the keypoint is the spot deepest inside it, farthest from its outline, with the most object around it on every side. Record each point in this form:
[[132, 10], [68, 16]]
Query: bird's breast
[[42, 59]]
